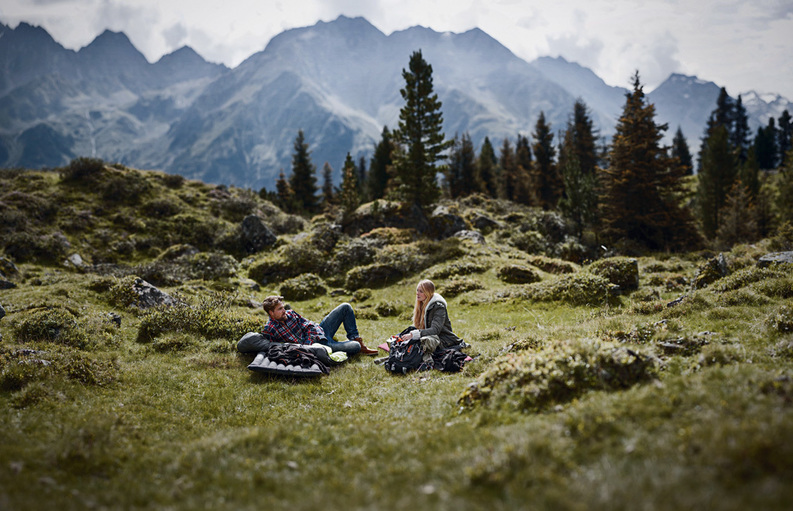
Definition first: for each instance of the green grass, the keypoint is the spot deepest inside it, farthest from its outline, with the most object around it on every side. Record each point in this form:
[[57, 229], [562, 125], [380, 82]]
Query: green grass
[[184, 425]]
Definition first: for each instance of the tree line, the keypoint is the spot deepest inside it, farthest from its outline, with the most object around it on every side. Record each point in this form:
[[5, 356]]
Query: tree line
[[633, 193]]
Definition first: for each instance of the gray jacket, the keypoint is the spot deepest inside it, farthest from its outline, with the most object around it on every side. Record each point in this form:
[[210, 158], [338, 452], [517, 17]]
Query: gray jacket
[[436, 321]]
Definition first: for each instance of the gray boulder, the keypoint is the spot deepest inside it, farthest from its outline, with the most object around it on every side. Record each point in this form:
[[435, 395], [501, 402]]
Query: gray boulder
[[474, 236], [445, 223], [775, 258], [150, 296], [254, 235], [2, 311]]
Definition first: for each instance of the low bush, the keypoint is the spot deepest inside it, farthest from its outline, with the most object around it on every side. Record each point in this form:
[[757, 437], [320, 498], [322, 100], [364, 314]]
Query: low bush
[[575, 289], [27, 246], [746, 276], [552, 265], [20, 367], [457, 268], [303, 287], [52, 325], [373, 276], [622, 271], [533, 381], [781, 320], [81, 169], [781, 287], [391, 309], [458, 286], [517, 274]]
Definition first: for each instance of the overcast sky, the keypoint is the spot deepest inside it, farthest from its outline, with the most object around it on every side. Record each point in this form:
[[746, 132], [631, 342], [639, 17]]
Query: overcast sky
[[738, 44]]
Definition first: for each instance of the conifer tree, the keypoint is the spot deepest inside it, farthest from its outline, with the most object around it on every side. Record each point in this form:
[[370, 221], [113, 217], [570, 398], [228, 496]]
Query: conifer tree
[[380, 166], [579, 201], [508, 170], [461, 174], [286, 197], [641, 187], [784, 203], [349, 197], [546, 175], [738, 223], [584, 137], [362, 177], [765, 145], [681, 151], [488, 173], [764, 207], [525, 189], [716, 177], [739, 136], [420, 133], [749, 174], [303, 180], [328, 195], [785, 136]]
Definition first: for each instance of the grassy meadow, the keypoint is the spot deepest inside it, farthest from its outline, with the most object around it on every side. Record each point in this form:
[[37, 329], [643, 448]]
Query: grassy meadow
[[579, 396]]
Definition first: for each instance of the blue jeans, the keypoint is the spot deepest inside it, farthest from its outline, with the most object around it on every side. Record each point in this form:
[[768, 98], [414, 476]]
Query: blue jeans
[[341, 315]]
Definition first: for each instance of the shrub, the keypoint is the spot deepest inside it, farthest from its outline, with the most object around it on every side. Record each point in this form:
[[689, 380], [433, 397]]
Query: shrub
[[20, 367], [129, 188], [390, 309], [212, 266], [459, 285], [161, 208], [81, 169], [746, 276], [781, 320], [517, 274], [53, 324], [622, 271], [373, 276], [720, 355], [457, 268], [303, 287], [390, 235], [532, 381], [25, 246], [551, 265], [210, 319], [781, 287], [174, 181], [575, 289]]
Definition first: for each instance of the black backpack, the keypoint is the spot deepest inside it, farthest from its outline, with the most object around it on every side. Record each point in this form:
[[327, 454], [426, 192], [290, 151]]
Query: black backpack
[[404, 357]]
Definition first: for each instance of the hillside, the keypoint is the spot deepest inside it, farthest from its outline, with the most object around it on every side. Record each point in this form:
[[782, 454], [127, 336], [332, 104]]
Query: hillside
[[656, 382]]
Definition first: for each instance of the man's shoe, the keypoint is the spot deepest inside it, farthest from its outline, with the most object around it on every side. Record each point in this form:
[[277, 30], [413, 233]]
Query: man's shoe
[[364, 349]]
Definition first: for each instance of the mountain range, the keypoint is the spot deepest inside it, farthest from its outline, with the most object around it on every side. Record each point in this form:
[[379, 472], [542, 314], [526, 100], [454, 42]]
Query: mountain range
[[337, 81]]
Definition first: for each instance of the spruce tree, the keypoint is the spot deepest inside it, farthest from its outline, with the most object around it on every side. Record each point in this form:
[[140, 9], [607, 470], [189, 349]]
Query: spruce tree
[[784, 137], [286, 197], [362, 177], [508, 171], [716, 177], [765, 145], [461, 174], [525, 188], [738, 223], [579, 201], [328, 195], [487, 165], [420, 133], [739, 136], [380, 166], [584, 137], [641, 188], [785, 191], [303, 180], [546, 177], [349, 197], [749, 173], [681, 151]]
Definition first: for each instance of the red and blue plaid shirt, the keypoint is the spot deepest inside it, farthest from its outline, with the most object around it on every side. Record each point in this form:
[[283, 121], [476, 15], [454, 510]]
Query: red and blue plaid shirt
[[294, 328]]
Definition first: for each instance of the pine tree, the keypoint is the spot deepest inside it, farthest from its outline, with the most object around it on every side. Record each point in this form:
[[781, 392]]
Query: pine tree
[[380, 166], [286, 197], [349, 199], [488, 172], [420, 133], [508, 171], [749, 173], [784, 137], [785, 191], [716, 177], [681, 151], [525, 188], [739, 135], [461, 174], [328, 195], [579, 201], [738, 223], [765, 145], [362, 177], [584, 137], [641, 188], [303, 181], [546, 175]]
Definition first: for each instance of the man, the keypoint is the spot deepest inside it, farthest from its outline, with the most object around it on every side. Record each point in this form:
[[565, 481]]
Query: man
[[289, 326]]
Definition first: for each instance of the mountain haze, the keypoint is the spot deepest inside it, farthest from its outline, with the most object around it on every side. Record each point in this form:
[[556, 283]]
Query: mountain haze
[[337, 81]]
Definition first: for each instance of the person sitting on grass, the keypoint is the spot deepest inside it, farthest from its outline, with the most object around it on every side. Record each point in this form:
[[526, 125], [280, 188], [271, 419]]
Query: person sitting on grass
[[431, 319], [286, 325]]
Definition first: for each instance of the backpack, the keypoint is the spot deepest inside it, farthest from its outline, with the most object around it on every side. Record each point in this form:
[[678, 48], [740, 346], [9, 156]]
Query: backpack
[[404, 357]]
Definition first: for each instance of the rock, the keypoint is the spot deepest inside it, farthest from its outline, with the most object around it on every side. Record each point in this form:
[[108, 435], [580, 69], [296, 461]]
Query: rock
[[7, 284], [711, 271], [254, 235], [250, 284], [149, 296], [2, 311], [74, 260], [484, 223], [444, 224], [474, 236], [775, 258], [383, 213], [114, 318], [7, 268]]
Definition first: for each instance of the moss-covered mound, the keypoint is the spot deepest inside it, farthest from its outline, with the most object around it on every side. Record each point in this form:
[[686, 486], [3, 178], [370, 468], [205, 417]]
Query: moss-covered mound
[[303, 287], [518, 274], [622, 271], [575, 289], [537, 380]]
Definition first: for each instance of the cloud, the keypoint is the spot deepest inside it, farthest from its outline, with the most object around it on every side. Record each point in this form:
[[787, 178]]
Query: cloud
[[175, 35]]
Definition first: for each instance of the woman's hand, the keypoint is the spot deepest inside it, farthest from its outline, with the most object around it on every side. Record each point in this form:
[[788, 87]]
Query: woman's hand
[[406, 337]]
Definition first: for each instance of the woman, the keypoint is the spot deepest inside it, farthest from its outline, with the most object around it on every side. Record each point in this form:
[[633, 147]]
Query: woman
[[430, 317]]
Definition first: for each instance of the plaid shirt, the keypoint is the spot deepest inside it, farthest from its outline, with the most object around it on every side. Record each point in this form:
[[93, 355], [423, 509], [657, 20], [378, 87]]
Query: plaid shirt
[[294, 328]]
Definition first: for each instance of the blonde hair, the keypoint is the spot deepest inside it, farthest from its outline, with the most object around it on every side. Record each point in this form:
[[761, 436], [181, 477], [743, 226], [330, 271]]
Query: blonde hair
[[428, 288]]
